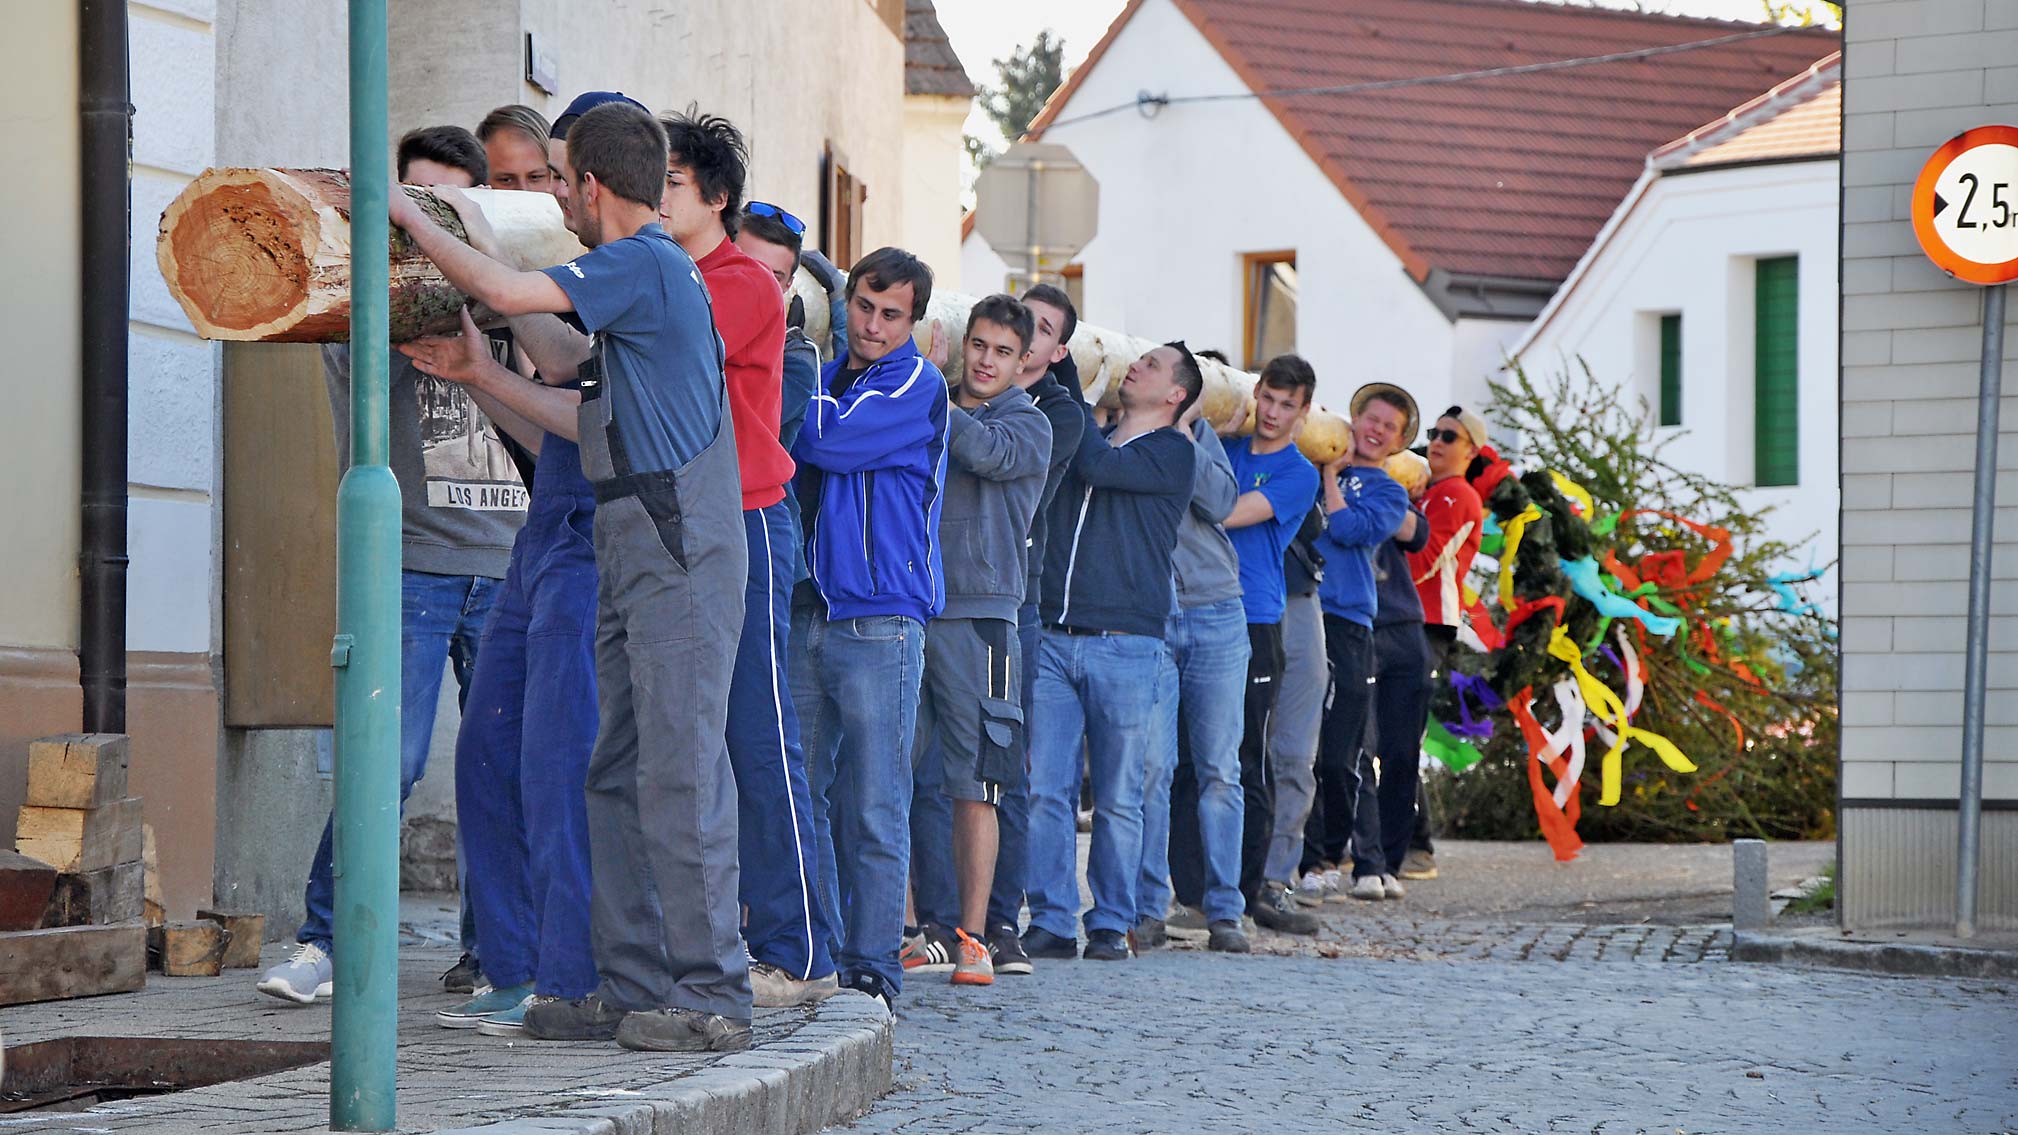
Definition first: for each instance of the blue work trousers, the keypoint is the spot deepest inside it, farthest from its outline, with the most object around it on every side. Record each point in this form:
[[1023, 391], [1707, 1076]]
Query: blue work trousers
[[787, 923], [1191, 805], [1099, 692], [522, 757], [436, 613]]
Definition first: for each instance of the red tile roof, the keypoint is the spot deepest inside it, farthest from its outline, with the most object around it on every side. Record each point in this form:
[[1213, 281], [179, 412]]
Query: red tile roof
[[1502, 177], [1800, 118]]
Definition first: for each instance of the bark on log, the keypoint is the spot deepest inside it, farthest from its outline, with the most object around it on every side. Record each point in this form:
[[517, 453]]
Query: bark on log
[[263, 255]]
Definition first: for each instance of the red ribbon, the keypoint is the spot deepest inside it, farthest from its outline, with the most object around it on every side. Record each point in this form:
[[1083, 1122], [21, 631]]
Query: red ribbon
[[1559, 825]]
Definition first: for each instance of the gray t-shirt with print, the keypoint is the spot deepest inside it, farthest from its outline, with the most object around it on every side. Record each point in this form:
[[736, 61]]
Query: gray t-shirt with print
[[462, 500]]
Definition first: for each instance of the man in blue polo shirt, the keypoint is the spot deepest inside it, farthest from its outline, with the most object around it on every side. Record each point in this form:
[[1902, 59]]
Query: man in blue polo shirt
[[658, 448], [1277, 486]]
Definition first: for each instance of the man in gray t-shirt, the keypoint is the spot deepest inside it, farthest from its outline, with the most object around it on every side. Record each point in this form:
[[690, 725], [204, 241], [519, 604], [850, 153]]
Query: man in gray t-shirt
[[462, 502]]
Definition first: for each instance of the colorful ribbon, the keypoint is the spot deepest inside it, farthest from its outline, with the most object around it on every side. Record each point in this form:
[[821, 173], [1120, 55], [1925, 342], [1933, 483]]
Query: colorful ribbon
[[1610, 710], [1583, 573], [1515, 529], [1558, 822], [1479, 688], [1456, 754], [1575, 492]]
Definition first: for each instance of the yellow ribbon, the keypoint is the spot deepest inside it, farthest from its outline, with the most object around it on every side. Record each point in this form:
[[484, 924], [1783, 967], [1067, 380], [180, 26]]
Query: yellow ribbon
[[1610, 710], [1514, 530], [1575, 492]]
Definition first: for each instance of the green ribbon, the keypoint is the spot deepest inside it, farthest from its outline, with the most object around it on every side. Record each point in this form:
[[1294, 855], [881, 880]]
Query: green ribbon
[[1456, 754]]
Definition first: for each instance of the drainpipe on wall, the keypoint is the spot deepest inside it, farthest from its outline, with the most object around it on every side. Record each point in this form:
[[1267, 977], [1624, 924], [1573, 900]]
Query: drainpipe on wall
[[106, 134]]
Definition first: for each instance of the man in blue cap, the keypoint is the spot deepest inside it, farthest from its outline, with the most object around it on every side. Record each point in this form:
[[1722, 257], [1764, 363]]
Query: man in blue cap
[[658, 447]]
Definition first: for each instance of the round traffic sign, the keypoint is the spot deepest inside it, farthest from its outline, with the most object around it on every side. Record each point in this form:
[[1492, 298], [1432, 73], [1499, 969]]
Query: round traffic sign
[[1965, 205]]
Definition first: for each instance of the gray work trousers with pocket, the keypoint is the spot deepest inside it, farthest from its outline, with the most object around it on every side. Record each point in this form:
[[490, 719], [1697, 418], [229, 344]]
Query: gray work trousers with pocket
[[664, 919]]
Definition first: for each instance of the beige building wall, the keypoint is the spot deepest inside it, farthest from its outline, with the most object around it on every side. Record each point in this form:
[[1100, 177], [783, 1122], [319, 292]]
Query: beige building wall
[[797, 76], [933, 152], [39, 317]]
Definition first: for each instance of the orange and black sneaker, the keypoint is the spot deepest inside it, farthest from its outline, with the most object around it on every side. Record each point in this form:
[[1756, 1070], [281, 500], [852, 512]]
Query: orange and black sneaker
[[975, 967]]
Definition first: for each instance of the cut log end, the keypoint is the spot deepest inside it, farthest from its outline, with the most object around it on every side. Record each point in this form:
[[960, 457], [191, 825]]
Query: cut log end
[[237, 255]]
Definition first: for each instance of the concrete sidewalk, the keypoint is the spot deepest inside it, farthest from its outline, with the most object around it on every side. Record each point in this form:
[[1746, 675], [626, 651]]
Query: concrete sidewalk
[[809, 1068]]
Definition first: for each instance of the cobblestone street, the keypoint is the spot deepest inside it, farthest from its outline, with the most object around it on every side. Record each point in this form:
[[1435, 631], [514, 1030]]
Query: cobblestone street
[[1181, 1040], [1490, 1000]]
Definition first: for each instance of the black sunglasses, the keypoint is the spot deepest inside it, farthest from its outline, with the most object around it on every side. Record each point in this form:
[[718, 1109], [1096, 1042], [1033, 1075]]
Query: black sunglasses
[[766, 209], [1448, 437]]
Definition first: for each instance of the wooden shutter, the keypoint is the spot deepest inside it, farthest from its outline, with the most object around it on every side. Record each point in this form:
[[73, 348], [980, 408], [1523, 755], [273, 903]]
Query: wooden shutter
[[1776, 420], [1671, 370]]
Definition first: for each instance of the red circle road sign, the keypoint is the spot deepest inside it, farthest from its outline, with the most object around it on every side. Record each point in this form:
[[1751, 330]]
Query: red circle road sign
[[1965, 205]]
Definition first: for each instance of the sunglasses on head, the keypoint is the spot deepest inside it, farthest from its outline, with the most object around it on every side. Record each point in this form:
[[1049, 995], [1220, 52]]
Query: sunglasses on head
[[1448, 437], [766, 209]]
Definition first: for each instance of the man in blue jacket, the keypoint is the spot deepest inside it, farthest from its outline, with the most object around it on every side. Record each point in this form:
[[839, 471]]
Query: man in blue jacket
[[1106, 598], [872, 469], [1363, 507]]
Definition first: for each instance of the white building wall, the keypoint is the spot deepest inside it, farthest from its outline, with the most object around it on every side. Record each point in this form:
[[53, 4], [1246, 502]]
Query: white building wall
[[1184, 194], [172, 418], [982, 270], [1688, 246], [933, 153]]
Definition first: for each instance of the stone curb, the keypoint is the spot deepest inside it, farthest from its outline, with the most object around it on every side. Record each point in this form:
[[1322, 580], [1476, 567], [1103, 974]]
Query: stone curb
[[1875, 957], [829, 1071]]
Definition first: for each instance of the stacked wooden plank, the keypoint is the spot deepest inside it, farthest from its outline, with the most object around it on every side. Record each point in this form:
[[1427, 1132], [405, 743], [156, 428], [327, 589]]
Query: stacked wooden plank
[[79, 820], [79, 849]]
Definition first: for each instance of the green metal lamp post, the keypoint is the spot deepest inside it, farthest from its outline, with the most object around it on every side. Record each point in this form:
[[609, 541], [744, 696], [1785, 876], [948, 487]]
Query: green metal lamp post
[[363, 1032]]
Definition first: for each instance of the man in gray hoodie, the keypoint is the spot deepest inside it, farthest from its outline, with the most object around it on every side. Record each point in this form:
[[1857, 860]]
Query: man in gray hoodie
[[998, 449]]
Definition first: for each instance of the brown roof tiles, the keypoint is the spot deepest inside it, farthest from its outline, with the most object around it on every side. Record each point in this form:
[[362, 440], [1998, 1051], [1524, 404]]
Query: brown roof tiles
[[1505, 177]]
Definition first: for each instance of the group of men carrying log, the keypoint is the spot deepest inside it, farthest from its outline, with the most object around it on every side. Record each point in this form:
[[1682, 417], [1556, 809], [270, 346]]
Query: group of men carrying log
[[766, 627]]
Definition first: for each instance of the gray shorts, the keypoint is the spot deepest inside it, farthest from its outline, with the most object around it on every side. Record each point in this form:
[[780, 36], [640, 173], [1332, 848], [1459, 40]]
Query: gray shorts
[[969, 703]]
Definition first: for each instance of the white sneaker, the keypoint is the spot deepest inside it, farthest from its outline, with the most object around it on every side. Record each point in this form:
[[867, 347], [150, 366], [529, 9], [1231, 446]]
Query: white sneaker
[[1310, 888], [1392, 886], [1368, 887], [1334, 885], [302, 978]]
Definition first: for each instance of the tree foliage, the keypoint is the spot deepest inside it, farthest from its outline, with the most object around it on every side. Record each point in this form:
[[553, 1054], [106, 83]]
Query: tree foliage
[[1746, 661], [1025, 81]]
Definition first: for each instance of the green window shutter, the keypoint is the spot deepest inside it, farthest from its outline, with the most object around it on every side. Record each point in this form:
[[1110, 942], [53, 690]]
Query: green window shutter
[[1671, 370], [1776, 421]]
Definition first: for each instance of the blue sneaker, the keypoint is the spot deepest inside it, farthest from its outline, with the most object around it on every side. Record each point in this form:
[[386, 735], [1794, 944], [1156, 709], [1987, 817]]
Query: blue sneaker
[[470, 1013], [512, 1021]]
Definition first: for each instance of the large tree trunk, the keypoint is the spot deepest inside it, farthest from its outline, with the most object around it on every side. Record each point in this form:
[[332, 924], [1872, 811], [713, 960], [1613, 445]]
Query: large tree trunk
[[263, 255]]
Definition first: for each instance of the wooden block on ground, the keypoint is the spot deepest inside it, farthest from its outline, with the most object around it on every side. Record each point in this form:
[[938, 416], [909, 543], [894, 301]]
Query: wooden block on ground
[[77, 770], [245, 933], [186, 949], [96, 898], [81, 839], [24, 883], [155, 914], [72, 961]]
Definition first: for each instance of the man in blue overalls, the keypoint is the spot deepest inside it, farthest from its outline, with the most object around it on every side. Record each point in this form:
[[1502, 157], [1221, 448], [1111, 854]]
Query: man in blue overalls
[[658, 448]]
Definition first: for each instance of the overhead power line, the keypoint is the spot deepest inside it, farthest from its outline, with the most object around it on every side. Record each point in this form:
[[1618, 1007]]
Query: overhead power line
[[1145, 101]]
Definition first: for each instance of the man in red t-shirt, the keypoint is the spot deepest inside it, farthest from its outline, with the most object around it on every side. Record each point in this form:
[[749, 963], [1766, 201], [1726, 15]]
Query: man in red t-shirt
[[1455, 526], [1456, 523], [787, 931]]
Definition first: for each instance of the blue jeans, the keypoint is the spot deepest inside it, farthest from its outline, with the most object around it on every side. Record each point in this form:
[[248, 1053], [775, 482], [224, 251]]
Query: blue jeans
[[1100, 689], [855, 685], [435, 613], [1191, 807]]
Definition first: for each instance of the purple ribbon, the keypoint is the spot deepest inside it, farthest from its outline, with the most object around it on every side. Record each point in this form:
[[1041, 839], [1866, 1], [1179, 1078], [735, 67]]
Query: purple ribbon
[[1612, 658], [1488, 701]]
